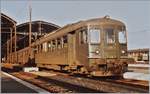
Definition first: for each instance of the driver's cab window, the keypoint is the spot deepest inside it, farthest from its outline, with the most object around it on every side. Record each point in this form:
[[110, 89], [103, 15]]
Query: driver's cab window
[[94, 35], [122, 35], [110, 35]]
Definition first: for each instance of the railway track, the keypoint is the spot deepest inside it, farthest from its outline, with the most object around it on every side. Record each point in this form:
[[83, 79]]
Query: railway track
[[141, 84], [111, 85], [131, 86], [34, 79], [69, 83], [52, 85], [64, 83], [132, 82]]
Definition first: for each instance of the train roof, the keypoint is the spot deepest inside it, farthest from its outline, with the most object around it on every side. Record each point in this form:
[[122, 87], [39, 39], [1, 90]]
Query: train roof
[[71, 27], [105, 19]]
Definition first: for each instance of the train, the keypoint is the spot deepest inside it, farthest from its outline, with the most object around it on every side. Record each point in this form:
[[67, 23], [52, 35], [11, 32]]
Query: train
[[97, 47]]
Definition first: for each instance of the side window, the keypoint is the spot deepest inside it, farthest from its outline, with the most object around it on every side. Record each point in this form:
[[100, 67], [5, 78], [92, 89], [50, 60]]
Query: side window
[[59, 43], [83, 36], [62, 42], [41, 47], [53, 44], [49, 45], [65, 41], [35, 50], [38, 48], [45, 46]]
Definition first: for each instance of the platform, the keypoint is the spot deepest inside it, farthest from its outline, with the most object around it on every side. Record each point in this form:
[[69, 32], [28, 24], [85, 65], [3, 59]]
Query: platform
[[137, 76], [139, 65], [30, 69], [40, 73], [11, 84], [138, 71]]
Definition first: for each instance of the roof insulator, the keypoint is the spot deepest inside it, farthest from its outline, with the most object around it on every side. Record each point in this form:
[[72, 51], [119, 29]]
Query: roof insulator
[[106, 17]]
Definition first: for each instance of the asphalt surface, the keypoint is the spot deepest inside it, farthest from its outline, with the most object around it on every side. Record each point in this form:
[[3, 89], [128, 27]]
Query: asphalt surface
[[9, 85]]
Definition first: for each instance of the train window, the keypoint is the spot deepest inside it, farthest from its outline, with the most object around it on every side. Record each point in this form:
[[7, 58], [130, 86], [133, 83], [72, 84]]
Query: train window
[[95, 35], [53, 44], [58, 43], [41, 47], [65, 39], [38, 48], [62, 42], [45, 47], [122, 37], [110, 35], [83, 36], [49, 45], [34, 49]]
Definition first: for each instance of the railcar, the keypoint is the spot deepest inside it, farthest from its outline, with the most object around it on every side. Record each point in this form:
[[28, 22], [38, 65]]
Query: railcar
[[97, 47]]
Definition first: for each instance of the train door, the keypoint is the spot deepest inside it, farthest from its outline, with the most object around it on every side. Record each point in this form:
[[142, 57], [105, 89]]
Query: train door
[[71, 50], [94, 42], [110, 47]]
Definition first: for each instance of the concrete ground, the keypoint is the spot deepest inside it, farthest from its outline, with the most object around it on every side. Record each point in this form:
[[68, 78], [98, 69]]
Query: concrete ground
[[138, 71], [9, 85]]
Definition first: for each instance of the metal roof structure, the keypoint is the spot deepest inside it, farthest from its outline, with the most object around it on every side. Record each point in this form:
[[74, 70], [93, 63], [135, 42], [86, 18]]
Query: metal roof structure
[[7, 24], [39, 28]]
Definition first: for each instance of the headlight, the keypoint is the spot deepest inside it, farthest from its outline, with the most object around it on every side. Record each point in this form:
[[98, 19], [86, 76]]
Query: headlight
[[123, 51], [97, 52]]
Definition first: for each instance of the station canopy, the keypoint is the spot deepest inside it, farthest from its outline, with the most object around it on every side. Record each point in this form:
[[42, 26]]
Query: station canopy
[[7, 24], [39, 28]]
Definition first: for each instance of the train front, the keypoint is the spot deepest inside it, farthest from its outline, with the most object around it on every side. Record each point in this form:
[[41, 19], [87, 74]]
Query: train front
[[107, 47]]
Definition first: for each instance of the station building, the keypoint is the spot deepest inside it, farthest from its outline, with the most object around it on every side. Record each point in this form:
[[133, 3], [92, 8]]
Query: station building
[[139, 55], [39, 29], [15, 37], [8, 30]]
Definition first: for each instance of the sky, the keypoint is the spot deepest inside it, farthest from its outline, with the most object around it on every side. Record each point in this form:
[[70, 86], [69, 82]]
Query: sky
[[134, 13]]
